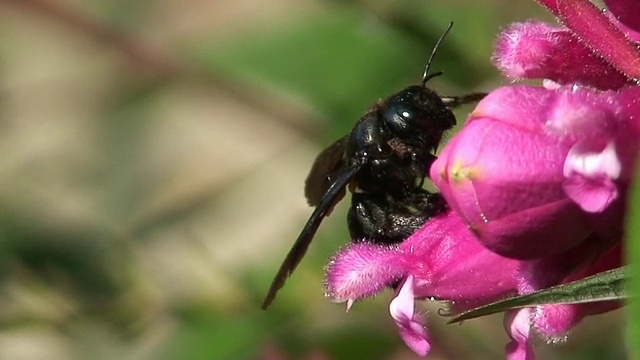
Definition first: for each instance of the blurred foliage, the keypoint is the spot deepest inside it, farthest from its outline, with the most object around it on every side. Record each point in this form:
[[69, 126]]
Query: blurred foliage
[[633, 259], [152, 159]]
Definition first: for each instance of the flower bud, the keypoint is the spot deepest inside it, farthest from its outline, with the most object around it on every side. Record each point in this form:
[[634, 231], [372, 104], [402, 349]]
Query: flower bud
[[533, 167]]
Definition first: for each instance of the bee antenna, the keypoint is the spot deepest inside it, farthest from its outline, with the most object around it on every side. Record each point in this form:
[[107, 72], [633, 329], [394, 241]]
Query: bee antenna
[[426, 76]]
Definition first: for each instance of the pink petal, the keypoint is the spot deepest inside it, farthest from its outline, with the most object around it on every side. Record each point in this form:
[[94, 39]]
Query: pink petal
[[505, 179], [554, 322], [628, 133], [537, 50], [599, 33], [592, 194], [530, 161], [517, 324], [447, 262], [523, 107], [410, 326], [590, 176], [579, 113], [542, 273], [361, 270]]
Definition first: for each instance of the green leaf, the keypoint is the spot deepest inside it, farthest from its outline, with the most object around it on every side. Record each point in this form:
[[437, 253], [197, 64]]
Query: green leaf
[[604, 286]]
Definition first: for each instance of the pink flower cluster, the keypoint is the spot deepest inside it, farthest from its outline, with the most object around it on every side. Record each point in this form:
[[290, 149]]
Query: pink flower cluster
[[535, 182]]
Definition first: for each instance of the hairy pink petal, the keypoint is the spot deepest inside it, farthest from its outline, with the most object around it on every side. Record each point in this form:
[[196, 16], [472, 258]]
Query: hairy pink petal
[[443, 257], [599, 33], [537, 50], [361, 270], [441, 260], [578, 113], [410, 326], [554, 322], [517, 325]]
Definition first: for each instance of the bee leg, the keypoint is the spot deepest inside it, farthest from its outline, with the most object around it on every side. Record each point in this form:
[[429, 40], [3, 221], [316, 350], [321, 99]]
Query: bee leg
[[455, 101], [385, 220]]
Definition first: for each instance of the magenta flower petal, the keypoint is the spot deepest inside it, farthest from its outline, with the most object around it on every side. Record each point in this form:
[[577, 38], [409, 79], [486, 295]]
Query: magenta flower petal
[[591, 176], [537, 50], [553, 322], [552, 270], [599, 33], [362, 270], [443, 256], [521, 106], [410, 325], [533, 165], [488, 177], [448, 263], [627, 144], [442, 260], [535, 182], [517, 324]]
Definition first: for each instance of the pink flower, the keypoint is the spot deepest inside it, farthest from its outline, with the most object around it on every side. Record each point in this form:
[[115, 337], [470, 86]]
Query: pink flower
[[534, 167], [536, 183], [441, 261], [603, 34], [541, 173]]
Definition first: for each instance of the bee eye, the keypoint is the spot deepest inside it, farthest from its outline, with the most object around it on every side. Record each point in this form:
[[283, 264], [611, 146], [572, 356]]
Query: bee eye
[[399, 117]]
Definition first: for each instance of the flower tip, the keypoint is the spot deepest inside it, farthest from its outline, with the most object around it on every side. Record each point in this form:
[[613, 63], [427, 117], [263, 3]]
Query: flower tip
[[521, 48], [517, 324], [590, 177], [361, 270], [410, 325], [350, 304]]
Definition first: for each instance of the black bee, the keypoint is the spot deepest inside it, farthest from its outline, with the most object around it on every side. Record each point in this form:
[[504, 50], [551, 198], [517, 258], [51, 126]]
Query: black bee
[[384, 161]]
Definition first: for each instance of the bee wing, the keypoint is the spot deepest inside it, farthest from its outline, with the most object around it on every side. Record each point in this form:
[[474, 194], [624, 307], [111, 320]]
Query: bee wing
[[328, 164], [331, 196]]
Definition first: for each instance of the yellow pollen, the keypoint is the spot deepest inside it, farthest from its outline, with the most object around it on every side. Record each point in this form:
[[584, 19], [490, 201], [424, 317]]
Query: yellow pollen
[[459, 173]]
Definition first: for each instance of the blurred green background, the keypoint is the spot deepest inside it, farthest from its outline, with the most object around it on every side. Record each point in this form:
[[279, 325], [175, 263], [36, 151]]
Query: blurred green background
[[152, 159]]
